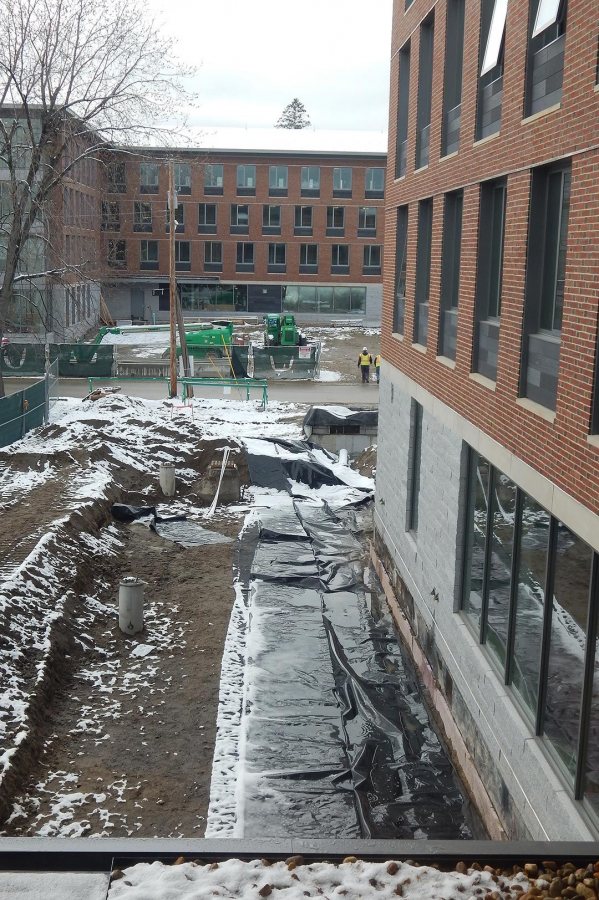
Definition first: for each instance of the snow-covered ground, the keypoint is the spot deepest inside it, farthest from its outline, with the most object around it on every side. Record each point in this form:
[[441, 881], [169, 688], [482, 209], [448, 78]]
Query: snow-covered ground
[[235, 879]]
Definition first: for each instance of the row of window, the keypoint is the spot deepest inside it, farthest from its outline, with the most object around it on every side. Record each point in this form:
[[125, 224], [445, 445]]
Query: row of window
[[530, 592], [246, 179], [290, 298], [239, 218], [544, 74], [545, 279], [245, 257]]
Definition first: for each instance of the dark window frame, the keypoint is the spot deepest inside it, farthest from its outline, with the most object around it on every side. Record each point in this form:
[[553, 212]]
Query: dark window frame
[[401, 267], [423, 271]]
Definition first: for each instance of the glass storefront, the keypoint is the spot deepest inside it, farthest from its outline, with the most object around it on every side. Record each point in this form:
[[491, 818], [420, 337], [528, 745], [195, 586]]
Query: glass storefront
[[535, 590], [293, 298]]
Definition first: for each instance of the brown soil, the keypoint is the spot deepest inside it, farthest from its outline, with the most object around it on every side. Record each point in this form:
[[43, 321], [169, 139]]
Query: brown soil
[[119, 744], [147, 745]]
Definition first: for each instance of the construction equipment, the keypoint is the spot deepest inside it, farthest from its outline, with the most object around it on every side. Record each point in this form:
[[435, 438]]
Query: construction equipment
[[281, 331], [213, 336]]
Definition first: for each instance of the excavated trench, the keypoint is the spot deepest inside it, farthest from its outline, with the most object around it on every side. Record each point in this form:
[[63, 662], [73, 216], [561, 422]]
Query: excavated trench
[[119, 741]]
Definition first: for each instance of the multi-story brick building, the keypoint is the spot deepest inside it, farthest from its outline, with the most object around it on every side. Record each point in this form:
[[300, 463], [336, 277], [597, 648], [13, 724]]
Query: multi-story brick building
[[257, 231], [60, 297], [487, 512]]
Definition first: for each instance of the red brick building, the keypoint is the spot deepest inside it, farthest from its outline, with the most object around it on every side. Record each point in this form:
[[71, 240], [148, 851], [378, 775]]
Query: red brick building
[[488, 518], [257, 231]]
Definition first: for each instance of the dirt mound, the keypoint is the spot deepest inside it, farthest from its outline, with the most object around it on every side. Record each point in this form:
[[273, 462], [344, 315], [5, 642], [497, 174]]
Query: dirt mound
[[365, 463]]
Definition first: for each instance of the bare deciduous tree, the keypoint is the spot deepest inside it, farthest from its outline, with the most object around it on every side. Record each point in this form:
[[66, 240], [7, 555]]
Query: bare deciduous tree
[[76, 76]]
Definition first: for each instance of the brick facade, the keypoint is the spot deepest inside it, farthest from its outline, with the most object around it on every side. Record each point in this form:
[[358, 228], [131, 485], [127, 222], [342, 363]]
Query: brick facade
[[557, 446], [359, 163]]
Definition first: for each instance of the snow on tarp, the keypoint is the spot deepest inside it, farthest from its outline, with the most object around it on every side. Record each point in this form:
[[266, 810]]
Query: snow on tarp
[[331, 733], [335, 415]]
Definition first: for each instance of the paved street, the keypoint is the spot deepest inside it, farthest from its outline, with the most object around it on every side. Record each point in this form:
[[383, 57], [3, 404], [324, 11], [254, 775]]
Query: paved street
[[291, 391]]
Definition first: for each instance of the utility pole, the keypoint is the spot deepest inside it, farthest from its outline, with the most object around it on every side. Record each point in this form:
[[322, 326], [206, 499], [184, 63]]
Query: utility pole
[[172, 207]]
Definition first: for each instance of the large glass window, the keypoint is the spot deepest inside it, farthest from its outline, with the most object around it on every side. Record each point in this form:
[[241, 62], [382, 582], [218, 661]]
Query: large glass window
[[148, 255], [476, 537], [374, 183], [183, 256], [335, 220], [401, 146], [503, 515], [489, 275], [591, 768], [490, 60], [401, 256], [545, 54], [310, 181], [531, 591], [414, 463], [567, 643], [342, 181], [207, 218], [425, 89], [452, 81], [450, 273], [276, 257], [246, 179], [277, 181], [240, 218], [309, 255], [529, 602], [271, 218], [183, 178], [423, 270], [372, 260], [367, 221], [545, 280], [303, 220], [245, 256], [213, 179], [213, 255], [149, 178], [339, 258], [142, 216]]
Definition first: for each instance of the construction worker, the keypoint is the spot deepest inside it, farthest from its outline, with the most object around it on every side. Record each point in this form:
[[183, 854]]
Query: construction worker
[[377, 367], [364, 364]]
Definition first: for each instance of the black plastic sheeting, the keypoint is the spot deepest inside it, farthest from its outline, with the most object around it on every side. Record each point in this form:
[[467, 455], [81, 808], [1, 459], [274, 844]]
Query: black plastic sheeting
[[275, 472], [172, 528], [338, 741], [322, 415], [188, 534]]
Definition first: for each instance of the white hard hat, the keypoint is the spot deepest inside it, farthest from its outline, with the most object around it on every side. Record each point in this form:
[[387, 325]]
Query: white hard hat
[[364, 349]]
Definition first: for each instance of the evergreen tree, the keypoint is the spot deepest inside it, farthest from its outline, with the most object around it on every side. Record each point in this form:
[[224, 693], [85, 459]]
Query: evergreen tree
[[294, 116]]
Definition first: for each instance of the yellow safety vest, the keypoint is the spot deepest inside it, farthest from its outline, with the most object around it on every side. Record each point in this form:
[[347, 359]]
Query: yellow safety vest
[[364, 359], [377, 360]]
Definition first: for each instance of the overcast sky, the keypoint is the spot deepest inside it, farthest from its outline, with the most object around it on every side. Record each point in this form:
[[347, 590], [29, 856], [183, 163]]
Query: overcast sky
[[254, 57]]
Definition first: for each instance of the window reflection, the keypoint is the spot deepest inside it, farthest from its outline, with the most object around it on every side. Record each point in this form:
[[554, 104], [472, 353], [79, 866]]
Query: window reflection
[[530, 598], [475, 551], [591, 776], [567, 645], [502, 545]]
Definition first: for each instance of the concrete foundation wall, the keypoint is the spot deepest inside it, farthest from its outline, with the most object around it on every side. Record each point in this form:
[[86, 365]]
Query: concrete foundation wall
[[374, 305], [424, 570], [353, 443]]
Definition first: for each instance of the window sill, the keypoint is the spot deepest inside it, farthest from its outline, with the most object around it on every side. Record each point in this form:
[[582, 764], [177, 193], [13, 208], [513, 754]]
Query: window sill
[[485, 140], [541, 113], [537, 409], [399, 178], [446, 361], [397, 336], [448, 156], [483, 380], [421, 169], [420, 348], [593, 440]]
